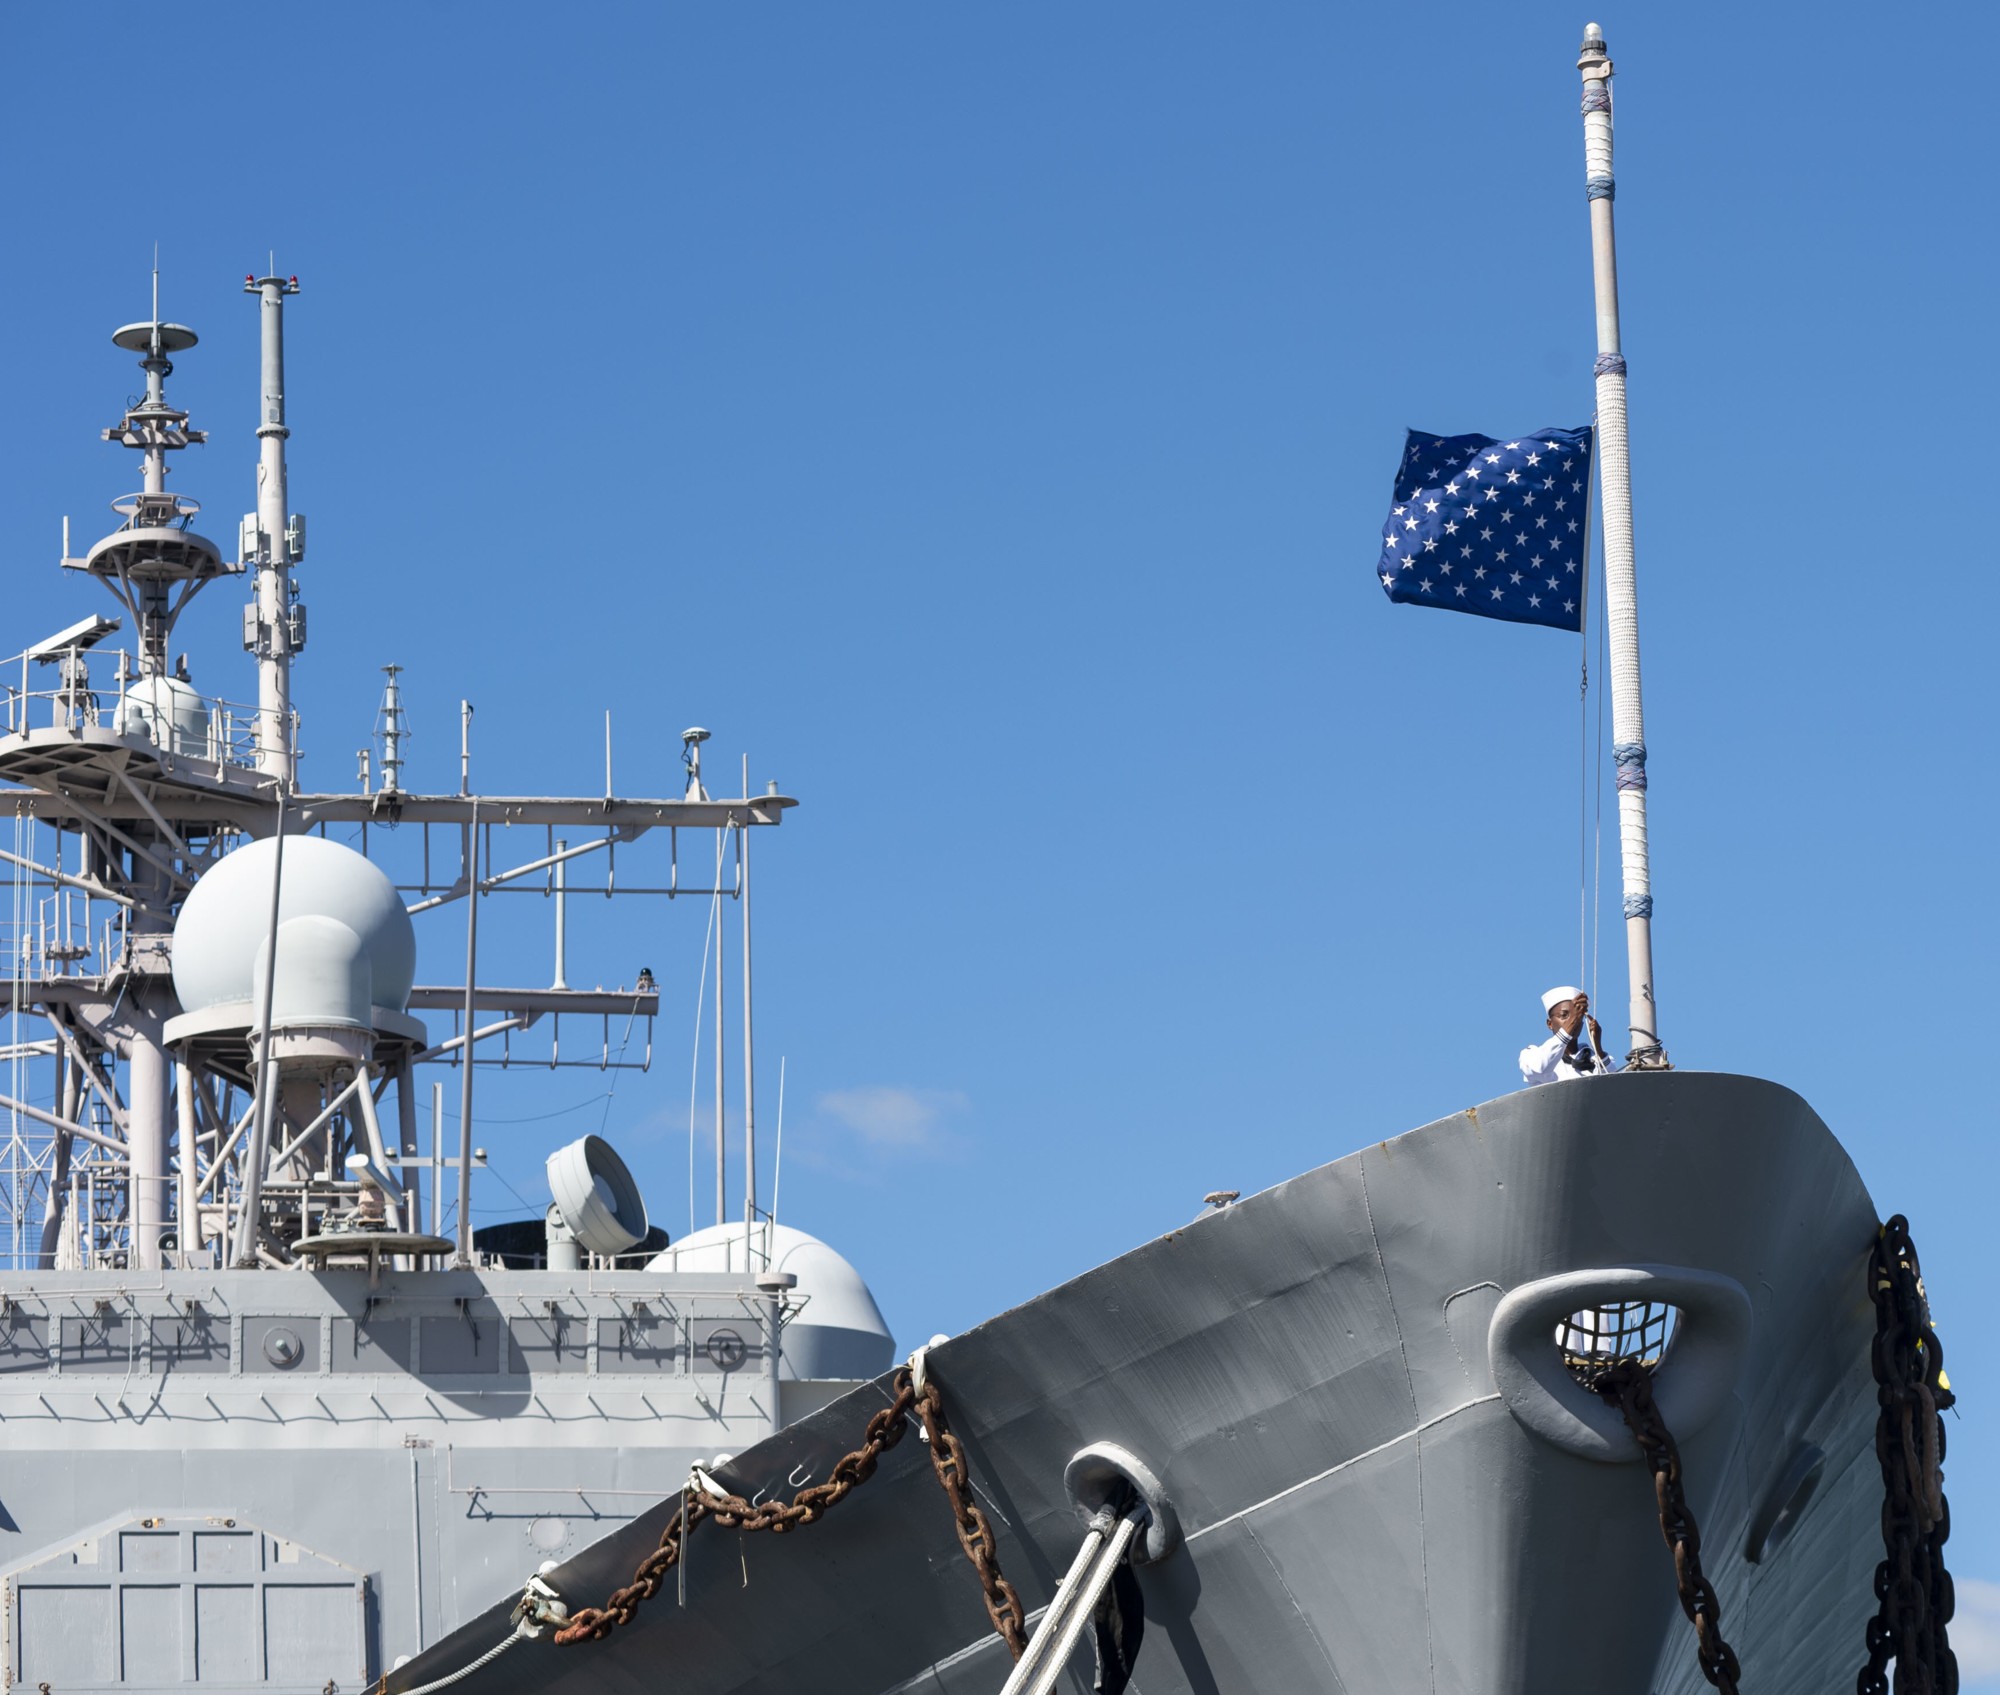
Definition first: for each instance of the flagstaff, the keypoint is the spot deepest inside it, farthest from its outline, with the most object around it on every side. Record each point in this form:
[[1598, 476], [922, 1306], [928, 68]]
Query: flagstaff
[[1621, 604]]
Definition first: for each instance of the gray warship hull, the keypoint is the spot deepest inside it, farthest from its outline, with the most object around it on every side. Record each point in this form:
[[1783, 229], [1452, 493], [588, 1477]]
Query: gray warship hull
[[1385, 1479]]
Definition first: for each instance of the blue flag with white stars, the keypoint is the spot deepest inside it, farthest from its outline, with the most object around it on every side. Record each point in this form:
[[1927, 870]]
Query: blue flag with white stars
[[1492, 527]]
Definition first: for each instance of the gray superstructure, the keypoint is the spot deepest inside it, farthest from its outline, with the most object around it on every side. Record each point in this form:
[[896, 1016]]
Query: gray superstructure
[[276, 1420]]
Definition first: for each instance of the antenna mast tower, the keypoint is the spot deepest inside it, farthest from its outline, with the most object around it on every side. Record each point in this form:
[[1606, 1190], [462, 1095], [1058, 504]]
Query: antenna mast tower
[[274, 540]]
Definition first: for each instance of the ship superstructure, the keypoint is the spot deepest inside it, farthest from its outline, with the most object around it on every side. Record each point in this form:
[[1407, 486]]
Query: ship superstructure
[[296, 1421]]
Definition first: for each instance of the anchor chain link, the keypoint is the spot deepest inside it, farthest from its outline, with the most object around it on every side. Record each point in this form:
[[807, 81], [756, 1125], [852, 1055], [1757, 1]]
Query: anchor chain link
[[703, 1501], [975, 1533], [1913, 1590], [1628, 1385], [885, 1429]]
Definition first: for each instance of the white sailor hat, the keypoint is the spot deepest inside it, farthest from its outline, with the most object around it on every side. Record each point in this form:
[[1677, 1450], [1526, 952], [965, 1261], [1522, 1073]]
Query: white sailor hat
[[1555, 997]]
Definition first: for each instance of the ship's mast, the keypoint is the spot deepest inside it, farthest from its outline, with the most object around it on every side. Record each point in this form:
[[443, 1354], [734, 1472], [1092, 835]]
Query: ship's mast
[[133, 799], [1621, 602], [155, 564], [273, 542]]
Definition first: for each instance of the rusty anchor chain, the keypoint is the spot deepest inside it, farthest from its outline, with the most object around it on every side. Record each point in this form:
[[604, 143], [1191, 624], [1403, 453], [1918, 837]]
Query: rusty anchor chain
[[1912, 1588], [975, 1533], [808, 1506], [884, 1430], [1628, 1385]]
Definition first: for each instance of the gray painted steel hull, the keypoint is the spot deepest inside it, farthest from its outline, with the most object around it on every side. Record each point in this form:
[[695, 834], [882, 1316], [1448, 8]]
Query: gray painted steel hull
[[1309, 1372]]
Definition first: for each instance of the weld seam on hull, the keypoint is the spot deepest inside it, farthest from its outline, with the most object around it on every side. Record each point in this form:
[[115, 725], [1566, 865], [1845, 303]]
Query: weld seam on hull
[[1416, 1409], [1353, 1459], [1305, 1622]]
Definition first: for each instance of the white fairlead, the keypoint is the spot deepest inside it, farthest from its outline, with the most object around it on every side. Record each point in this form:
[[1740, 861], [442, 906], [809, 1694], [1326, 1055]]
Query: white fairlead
[[1621, 602], [699, 1479]]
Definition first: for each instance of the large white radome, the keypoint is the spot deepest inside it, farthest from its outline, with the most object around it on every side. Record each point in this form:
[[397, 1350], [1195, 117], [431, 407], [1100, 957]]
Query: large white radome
[[345, 944]]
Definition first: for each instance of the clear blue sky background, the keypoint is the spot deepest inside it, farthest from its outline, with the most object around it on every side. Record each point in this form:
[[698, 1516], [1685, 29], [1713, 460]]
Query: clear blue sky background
[[982, 417]]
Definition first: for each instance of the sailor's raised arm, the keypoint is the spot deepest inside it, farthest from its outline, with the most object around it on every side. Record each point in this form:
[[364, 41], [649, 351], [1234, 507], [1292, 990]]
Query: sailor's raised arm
[[1538, 1064], [1563, 1010]]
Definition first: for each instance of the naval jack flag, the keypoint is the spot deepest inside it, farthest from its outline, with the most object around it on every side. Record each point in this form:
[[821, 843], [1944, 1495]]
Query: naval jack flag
[[1493, 527]]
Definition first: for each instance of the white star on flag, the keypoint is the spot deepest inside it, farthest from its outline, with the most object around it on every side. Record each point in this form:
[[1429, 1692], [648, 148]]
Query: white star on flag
[[1448, 484]]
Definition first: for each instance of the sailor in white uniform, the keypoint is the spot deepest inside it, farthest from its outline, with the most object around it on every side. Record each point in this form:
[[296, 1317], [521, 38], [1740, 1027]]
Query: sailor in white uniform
[[1564, 1054]]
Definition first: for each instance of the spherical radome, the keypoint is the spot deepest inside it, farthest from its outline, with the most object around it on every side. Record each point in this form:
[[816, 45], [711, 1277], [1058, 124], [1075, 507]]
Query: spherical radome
[[168, 712], [345, 942]]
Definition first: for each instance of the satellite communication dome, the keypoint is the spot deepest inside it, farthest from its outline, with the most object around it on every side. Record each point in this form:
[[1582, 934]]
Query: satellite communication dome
[[167, 711], [346, 947], [839, 1331]]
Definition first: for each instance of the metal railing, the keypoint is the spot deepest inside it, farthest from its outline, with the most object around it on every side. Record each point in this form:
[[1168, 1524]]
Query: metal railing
[[164, 711], [62, 938]]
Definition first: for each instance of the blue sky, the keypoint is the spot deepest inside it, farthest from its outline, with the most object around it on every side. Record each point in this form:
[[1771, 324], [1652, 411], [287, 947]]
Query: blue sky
[[982, 420]]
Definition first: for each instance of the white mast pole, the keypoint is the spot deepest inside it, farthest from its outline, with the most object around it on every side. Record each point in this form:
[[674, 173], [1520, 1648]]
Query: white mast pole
[[721, 1157], [1621, 603], [275, 548], [749, 1049]]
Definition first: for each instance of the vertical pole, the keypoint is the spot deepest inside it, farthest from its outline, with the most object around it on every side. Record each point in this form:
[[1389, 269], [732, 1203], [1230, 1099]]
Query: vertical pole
[[562, 899], [721, 1170], [465, 1051], [148, 1092], [1621, 603], [437, 1159], [274, 561], [157, 367], [749, 1061], [392, 732], [69, 1088], [774, 1345], [778, 1153], [187, 1210], [378, 1151], [410, 1171], [245, 1248]]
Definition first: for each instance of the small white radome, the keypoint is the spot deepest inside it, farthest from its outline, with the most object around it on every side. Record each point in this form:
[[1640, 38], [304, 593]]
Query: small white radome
[[838, 1332]]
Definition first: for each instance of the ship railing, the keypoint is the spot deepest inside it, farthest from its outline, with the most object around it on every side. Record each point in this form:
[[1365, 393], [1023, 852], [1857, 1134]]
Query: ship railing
[[55, 937], [165, 711]]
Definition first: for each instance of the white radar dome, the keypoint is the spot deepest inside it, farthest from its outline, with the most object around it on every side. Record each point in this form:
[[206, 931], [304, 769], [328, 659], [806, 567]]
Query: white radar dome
[[168, 712], [839, 1331], [345, 943]]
